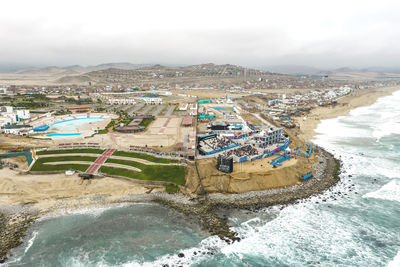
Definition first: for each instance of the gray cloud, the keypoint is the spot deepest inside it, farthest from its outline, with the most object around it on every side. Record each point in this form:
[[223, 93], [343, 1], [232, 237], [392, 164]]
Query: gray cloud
[[325, 35]]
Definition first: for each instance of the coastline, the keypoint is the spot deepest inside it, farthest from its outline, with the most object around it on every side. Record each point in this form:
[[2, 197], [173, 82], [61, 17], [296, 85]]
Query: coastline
[[356, 99], [20, 217], [204, 210]]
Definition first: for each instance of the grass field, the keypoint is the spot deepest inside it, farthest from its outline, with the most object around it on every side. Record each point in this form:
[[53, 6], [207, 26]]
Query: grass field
[[171, 189], [144, 156], [60, 167], [40, 166], [146, 122], [70, 151], [164, 173], [172, 173]]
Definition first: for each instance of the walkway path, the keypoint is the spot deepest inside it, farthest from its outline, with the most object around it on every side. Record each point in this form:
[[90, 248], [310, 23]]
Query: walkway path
[[162, 129], [115, 165], [111, 157], [99, 161], [111, 133]]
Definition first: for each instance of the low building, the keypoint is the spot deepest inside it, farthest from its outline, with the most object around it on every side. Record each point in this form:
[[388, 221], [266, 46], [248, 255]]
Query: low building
[[193, 109], [18, 129], [268, 136], [122, 101], [130, 129], [23, 114], [187, 121], [152, 100], [9, 115], [183, 106]]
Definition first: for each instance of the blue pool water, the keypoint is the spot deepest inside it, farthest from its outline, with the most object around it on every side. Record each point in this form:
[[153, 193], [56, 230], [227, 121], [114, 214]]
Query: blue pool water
[[61, 134], [220, 108], [73, 124]]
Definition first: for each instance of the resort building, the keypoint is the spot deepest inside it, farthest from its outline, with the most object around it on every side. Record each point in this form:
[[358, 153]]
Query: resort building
[[122, 101], [9, 115], [19, 129], [183, 106], [151, 100], [187, 121], [268, 136]]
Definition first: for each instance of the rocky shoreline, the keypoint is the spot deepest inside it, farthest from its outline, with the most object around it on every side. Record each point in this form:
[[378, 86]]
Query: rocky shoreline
[[15, 221], [205, 210], [13, 226]]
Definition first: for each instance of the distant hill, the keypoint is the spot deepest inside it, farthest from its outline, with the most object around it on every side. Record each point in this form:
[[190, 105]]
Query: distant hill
[[200, 75], [347, 73], [292, 69], [193, 75], [48, 71], [75, 69]]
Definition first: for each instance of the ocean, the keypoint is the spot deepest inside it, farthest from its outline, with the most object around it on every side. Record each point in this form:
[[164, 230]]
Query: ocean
[[355, 223]]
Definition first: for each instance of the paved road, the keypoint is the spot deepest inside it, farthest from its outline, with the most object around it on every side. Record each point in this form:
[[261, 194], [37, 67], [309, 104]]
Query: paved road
[[146, 109], [169, 111], [158, 110], [137, 108]]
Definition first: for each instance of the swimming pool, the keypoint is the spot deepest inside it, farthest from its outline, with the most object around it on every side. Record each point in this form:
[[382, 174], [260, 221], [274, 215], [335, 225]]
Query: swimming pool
[[73, 124], [61, 134]]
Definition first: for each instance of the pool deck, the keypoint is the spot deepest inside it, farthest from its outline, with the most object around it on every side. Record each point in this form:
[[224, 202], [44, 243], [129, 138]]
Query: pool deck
[[85, 126]]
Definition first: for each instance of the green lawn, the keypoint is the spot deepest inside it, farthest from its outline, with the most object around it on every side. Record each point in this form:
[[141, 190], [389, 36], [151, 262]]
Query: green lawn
[[60, 167], [146, 122], [109, 125], [172, 173], [40, 166], [144, 156], [69, 151], [171, 189]]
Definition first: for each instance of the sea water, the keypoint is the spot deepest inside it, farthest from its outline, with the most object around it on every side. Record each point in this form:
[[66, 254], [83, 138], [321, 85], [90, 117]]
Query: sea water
[[355, 223]]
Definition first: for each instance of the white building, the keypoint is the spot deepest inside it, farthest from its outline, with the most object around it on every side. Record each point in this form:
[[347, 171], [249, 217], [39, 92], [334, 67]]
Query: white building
[[183, 106], [193, 109], [18, 129], [121, 101], [152, 100], [10, 116], [23, 114]]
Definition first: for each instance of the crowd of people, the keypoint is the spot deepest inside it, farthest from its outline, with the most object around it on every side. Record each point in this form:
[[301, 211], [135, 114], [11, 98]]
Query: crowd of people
[[247, 150], [218, 142]]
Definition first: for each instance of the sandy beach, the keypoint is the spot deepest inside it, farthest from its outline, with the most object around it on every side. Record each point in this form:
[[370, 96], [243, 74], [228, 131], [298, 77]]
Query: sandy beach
[[356, 99], [49, 192]]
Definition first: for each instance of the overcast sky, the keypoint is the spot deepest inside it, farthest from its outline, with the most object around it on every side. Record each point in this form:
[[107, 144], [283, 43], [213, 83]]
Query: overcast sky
[[320, 33]]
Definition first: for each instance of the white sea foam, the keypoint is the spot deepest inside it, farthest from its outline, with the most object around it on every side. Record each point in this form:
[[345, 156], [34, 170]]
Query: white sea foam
[[30, 242], [390, 191], [396, 261], [206, 249], [94, 211]]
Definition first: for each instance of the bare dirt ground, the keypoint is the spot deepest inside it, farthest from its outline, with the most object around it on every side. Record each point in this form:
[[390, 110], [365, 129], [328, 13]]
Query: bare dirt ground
[[43, 191], [249, 176]]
